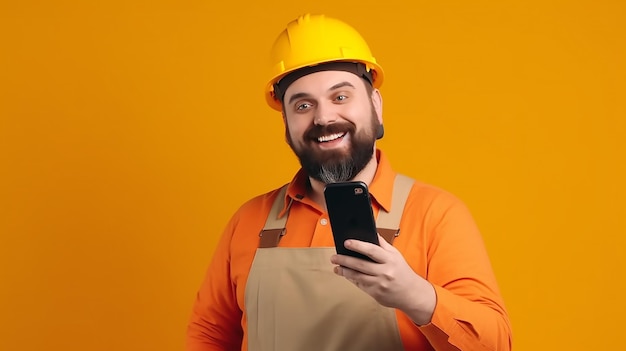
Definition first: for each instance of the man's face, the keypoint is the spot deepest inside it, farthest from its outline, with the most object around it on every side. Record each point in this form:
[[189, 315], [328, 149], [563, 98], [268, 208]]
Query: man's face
[[330, 123]]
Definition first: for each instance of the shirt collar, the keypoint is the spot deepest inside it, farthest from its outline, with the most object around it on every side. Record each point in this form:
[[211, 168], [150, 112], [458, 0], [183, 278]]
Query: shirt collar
[[380, 189]]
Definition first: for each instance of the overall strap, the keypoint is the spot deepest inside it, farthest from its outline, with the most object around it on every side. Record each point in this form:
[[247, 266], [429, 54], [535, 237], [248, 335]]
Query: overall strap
[[388, 223], [274, 227]]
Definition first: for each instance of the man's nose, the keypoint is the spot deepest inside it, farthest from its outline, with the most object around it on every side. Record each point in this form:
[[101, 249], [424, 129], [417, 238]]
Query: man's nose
[[324, 114]]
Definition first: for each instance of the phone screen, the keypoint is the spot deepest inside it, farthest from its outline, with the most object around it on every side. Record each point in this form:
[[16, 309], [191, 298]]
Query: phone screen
[[350, 214]]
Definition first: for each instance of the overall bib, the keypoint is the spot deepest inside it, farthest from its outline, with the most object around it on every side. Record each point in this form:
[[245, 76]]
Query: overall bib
[[294, 301]]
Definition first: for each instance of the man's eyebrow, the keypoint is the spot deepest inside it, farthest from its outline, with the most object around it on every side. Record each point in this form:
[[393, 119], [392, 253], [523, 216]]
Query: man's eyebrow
[[297, 96], [341, 85]]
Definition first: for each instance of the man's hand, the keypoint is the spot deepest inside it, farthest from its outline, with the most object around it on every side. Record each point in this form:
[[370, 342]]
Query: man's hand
[[390, 280]]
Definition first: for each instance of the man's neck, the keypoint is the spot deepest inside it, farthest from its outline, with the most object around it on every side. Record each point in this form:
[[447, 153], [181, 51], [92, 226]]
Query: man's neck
[[316, 193]]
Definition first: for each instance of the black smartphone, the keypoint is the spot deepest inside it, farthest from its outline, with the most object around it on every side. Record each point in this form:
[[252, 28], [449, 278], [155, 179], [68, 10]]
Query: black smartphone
[[350, 214]]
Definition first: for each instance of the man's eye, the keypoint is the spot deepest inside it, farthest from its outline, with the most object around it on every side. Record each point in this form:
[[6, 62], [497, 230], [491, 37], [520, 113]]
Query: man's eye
[[303, 106], [341, 98]]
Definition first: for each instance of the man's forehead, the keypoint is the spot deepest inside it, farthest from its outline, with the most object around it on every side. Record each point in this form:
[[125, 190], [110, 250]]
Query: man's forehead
[[322, 81]]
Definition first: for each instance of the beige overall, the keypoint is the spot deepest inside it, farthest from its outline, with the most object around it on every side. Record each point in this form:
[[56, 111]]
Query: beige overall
[[294, 301]]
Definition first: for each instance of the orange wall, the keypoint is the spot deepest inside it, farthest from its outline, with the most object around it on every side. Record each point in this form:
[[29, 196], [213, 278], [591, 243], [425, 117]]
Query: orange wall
[[130, 132]]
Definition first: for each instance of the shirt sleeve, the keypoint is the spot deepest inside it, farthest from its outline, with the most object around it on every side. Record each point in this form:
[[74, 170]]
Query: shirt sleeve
[[470, 313], [215, 322]]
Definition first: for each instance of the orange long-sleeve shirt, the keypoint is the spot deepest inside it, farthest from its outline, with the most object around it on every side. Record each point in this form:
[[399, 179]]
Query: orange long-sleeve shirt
[[438, 238]]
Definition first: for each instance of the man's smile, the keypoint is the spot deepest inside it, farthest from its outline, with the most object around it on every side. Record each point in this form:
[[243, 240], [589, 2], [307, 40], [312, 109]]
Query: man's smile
[[331, 137]]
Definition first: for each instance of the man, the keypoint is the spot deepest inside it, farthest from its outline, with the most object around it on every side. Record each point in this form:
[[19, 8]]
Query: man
[[275, 281]]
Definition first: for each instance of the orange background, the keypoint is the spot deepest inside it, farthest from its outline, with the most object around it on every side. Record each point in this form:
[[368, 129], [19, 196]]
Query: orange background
[[130, 131]]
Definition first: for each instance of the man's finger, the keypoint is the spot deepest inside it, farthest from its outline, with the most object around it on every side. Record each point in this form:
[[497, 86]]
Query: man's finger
[[383, 243]]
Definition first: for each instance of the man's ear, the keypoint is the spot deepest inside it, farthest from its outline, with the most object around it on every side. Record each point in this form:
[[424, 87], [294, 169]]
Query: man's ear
[[286, 126], [377, 102]]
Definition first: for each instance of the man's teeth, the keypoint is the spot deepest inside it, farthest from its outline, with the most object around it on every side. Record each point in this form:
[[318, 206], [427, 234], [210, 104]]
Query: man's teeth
[[330, 137]]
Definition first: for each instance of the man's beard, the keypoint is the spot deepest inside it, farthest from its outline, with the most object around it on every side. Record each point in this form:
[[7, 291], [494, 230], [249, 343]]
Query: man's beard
[[331, 166]]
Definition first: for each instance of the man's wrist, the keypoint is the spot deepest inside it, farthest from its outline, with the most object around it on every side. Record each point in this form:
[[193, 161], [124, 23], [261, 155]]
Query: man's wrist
[[422, 304]]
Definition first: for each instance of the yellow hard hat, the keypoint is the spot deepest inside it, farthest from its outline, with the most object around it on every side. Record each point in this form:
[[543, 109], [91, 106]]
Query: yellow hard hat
[[311, 40]]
